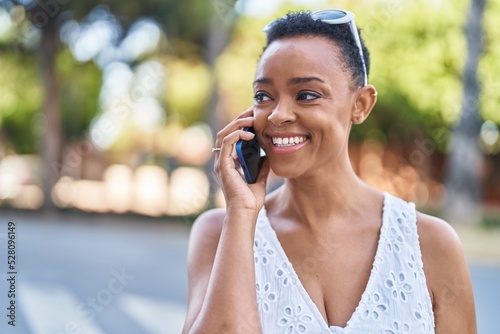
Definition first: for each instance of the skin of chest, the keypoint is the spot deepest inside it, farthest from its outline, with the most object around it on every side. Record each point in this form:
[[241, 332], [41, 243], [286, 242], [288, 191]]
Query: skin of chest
[[333, 264]]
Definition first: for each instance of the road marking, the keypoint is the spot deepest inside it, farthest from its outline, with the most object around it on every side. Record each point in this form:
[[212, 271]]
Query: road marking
[[53, 309], [156, 316]]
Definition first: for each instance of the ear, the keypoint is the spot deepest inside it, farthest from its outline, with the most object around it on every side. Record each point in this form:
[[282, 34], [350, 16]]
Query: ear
[[365, 99]]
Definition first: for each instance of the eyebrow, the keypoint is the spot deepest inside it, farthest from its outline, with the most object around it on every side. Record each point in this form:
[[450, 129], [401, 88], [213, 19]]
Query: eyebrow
[[263, 80], [292, 81], [295, 81]]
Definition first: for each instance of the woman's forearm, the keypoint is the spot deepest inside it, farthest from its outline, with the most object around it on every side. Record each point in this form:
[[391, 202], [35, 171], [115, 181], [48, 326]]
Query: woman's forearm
[[230, 303]]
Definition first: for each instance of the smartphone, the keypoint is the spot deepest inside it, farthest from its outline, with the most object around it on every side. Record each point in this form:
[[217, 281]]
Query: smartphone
[[248, 152]]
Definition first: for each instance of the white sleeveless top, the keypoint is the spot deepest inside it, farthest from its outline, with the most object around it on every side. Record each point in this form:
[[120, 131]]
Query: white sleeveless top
[[395, 300]]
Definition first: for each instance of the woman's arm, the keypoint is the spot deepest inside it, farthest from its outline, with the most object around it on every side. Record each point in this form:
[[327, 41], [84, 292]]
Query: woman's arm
[[221, 270], [221, 275], [447, 276]]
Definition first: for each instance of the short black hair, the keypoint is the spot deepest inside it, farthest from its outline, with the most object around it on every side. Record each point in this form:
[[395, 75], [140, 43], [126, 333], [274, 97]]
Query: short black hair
[[302, 24]]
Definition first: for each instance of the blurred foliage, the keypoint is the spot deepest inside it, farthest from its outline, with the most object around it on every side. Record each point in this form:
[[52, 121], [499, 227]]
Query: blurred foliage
[[489, 67], [185, 22], [188, 88], [418, 52], [81, 84], [235, 67], [21, 97]]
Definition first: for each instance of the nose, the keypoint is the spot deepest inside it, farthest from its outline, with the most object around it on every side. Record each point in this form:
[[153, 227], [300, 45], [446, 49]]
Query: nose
[[282, 114]]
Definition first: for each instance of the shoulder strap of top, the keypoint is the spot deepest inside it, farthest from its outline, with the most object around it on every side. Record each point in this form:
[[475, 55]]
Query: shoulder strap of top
[[402, 219]]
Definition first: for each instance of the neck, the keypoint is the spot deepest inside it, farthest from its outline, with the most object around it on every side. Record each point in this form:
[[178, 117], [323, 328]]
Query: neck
[[331, 194]]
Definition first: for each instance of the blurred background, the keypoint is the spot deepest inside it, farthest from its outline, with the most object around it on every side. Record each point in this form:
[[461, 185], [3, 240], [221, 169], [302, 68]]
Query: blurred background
[[108, 110]]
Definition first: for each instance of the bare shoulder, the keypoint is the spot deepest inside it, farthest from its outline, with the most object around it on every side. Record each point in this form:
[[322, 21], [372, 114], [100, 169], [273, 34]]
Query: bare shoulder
[[437, 236], [447, 275], [441, 248], [209, 223], [205, 233]]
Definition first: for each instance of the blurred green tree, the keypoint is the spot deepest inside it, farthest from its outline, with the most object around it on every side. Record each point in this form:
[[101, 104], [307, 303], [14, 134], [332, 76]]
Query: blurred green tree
[[185, 22], [21, 97]]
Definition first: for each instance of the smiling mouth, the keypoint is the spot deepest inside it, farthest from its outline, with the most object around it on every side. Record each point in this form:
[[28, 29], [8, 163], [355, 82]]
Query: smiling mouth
[[288, 141]]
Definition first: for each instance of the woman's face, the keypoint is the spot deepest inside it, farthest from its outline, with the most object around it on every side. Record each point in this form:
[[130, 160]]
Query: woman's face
[[303, 104]]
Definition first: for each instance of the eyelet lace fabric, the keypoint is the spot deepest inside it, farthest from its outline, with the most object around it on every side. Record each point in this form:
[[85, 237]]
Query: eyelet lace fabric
[[396, 299]]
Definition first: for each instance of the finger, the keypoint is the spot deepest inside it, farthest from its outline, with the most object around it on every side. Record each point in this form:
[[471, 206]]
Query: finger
[[225, 161], [224, 157], [237, 124], [229, 142]]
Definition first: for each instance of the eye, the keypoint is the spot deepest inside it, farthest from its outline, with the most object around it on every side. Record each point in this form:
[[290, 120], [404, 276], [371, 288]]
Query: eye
[[261, 97], [304, 96]]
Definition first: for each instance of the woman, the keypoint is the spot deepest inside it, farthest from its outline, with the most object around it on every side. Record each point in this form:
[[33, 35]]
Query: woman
[[324, 253]]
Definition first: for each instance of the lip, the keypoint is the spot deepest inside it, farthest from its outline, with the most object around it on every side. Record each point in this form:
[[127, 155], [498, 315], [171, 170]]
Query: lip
[[286, 149]]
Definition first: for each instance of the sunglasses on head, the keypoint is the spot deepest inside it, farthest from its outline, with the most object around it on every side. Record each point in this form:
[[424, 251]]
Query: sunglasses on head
[[338, 16]]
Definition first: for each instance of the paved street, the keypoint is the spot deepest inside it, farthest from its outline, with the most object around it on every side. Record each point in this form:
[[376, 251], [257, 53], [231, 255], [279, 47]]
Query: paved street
[[98, 275], [92, 274]]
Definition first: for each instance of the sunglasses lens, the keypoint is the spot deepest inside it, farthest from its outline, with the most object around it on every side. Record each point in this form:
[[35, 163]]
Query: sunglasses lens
[[329, 15]]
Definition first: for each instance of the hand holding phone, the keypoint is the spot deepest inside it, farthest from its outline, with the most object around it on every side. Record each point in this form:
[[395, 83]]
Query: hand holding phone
[[249, 156]]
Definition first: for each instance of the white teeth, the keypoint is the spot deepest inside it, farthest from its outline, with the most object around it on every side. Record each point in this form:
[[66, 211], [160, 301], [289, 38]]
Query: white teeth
[[282, 142]]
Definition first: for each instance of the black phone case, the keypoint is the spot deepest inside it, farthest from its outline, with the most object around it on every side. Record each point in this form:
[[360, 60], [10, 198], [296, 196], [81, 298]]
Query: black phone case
[[249, 155]]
